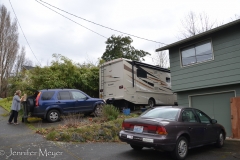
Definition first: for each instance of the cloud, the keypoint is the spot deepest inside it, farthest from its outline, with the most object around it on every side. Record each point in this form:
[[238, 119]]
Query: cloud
[[48, 32]]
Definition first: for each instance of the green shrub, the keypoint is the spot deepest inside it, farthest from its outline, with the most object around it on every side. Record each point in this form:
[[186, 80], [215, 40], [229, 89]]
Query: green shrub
[[110, 112], [52, 135], [64, 137]]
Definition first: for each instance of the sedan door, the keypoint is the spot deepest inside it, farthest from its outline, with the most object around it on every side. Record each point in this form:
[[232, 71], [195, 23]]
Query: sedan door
[[193, 127], [210, 132], [81, 102]]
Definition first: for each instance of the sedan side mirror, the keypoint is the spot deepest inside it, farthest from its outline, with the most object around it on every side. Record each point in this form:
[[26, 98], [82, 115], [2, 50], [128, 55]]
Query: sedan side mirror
[[213, 121]]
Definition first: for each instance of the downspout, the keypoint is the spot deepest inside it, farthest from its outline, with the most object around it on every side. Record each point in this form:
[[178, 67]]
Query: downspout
[[133, 73]]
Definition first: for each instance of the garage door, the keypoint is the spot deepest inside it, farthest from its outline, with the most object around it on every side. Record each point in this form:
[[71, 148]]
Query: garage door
[[217, 106]]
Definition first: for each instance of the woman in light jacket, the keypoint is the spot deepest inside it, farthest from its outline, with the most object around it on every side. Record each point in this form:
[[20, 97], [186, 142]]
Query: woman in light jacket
[[16, 106]]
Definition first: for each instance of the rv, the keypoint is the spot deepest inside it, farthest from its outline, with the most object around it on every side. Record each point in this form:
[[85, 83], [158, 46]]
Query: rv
[[126, 84]]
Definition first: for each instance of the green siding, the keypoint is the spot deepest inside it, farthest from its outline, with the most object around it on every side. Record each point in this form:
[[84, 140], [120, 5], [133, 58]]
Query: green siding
[[183, 97], [223, 70]]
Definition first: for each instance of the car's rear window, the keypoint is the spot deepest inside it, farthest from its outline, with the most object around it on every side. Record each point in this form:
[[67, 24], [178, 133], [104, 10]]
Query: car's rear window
[[164, 113], [47, 95]]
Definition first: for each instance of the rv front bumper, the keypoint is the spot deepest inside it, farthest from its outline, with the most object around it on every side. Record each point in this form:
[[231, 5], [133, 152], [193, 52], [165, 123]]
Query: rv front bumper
[[110, 100]]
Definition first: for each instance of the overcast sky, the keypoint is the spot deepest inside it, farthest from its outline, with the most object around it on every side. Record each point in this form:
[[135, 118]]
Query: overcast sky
[[157, 20]]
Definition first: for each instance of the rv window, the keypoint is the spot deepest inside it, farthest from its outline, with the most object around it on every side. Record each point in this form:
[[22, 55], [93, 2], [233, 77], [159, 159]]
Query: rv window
[[141, 73], [167, 79]]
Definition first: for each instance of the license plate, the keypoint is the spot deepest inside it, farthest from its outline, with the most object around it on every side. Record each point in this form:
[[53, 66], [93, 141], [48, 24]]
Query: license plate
[[138, 129], [129, 137], [147, 140]]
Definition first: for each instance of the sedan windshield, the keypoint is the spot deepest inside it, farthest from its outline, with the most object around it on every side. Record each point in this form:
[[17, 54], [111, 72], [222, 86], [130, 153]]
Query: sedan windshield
[[164, 113]]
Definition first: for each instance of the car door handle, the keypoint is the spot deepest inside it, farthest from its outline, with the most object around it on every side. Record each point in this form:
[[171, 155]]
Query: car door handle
[[190, 128], [58, 102]]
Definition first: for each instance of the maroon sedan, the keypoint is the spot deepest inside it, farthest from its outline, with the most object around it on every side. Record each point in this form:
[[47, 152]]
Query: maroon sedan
[[172, 128]]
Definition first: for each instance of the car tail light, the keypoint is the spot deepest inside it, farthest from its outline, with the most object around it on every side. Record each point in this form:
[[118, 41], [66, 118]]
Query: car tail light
[[161, 130], [151, 128], [121, 87], [125, 125], [37, 99], [101, 90]]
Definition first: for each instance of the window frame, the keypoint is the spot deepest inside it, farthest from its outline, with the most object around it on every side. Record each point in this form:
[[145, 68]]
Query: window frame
[[72, 94], [193, 113], [47, 93], [201, 112], [194, 45], [58, 94]]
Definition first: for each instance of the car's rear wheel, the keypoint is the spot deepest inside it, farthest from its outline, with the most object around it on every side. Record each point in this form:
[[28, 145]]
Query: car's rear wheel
[[138, 148], [98, 110], [220, 140], [53, 115], [181, 149]]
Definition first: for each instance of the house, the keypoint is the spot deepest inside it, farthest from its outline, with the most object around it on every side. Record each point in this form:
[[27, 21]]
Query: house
[[24, 68], [205, 71]]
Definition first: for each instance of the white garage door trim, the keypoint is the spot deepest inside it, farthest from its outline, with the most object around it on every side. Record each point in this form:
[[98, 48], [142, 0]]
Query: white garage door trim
[[190, 101]]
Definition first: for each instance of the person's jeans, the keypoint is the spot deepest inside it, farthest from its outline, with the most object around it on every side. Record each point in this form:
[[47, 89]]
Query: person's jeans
[[14, 114]]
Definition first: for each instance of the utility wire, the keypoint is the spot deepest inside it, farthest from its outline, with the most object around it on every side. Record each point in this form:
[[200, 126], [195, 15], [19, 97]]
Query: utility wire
[[23, 33], [102, 25], [72, 20]]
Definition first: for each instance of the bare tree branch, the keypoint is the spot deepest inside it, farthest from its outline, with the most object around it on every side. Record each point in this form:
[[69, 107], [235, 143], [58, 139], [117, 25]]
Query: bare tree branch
[[194, 24], [8, 46], [19, 61]]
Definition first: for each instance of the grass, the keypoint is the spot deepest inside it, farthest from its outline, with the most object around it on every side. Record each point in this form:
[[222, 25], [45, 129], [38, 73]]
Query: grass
[[79, 129], [89, 129], [6, 104]]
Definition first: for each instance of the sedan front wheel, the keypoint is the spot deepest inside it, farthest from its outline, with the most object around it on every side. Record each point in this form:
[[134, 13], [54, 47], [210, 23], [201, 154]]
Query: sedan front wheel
[[220, 140]]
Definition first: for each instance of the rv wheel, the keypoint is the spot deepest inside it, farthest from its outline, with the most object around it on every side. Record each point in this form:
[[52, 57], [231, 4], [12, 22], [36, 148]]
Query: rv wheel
[[151, 103]]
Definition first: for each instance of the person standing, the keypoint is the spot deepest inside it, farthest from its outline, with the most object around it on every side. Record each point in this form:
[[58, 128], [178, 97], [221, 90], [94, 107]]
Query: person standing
[[16, 106]]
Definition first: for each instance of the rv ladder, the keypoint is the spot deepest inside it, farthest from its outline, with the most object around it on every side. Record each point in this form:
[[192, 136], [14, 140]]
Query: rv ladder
[[102, 82]]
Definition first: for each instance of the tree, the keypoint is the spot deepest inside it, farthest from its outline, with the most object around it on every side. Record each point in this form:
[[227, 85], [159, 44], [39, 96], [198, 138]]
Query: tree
[[62, 73], [120, 47], [8, 47], [161, 59], [194, 24], [19, 61]]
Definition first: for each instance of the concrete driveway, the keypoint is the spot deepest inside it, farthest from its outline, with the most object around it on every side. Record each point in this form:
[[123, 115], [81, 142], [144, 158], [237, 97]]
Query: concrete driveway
[[18, 142]]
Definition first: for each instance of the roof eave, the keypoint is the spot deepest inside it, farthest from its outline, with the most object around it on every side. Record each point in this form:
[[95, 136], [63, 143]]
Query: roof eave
[[198, 35]]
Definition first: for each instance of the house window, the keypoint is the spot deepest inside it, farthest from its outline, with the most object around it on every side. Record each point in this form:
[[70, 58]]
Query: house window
[[197, 53]]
